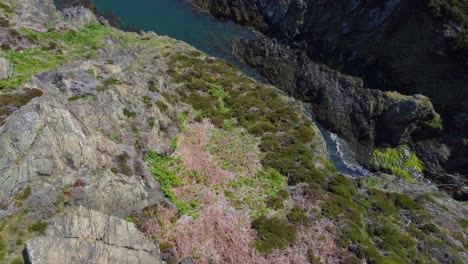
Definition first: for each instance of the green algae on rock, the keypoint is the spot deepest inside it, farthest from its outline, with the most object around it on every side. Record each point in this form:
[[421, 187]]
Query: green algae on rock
[[398, 161]]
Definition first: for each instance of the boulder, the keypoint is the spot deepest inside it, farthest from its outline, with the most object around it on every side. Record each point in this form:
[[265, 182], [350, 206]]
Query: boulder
[[81, 235]]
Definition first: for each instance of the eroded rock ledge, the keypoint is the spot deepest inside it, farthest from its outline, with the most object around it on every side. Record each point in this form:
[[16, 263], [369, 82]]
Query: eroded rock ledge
[[81, 235]]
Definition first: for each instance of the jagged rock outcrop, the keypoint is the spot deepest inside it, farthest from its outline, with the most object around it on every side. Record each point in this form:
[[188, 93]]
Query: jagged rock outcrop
[[81, 235], [65, 133], [411, 46], [55, 142], [364, 117]]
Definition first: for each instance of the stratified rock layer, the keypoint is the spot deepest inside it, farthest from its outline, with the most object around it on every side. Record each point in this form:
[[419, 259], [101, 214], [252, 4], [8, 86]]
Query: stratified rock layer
[[86, 236]]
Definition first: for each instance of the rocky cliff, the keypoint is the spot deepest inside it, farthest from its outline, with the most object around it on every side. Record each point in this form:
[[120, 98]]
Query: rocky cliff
[[366, 118], [409, 46], [103, 132]]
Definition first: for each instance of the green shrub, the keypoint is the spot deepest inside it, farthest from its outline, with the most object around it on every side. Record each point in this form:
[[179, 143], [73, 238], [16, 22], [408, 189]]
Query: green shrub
[[24, 194], [19, 242], [5, 46], [115, 137], [283, 194], [369, 252], [351, 260], [10, 102], [262, 127], [381, 202], [298, 216], [152, 86], [174, 142], [273, 233], [463, 223], [122, 165], [405, 202], [162, 106], [17, 260], [429, 228], [3, 249], [128, 113], [340, 185], [165, 246], [146, 100], [38, 227], [337, 207], [110, 81], [305, 133], [394, 240], [151, 121], [274, 203]]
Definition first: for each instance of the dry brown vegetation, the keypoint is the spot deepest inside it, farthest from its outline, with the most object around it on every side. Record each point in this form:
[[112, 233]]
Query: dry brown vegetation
[[220, 231], [194, 158]]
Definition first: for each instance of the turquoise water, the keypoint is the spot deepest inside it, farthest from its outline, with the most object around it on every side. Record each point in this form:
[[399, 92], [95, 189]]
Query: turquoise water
[[179, 20]]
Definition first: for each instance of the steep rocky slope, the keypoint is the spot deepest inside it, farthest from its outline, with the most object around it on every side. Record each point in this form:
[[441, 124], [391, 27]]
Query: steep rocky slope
[[411, 46], [407, 46], [211, 167]]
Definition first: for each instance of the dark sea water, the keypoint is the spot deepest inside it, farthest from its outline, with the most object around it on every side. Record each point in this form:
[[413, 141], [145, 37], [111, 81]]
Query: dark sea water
[[176, 19], [179, 20]]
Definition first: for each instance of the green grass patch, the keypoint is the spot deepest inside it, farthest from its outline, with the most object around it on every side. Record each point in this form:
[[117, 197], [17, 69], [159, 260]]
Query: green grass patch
[[78, 45], [165, 171]]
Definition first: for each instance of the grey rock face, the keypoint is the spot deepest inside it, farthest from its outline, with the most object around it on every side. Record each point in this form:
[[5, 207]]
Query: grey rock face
[[86, 236], [6, 69], [76, 135]]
